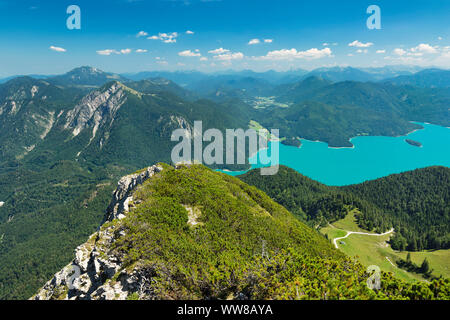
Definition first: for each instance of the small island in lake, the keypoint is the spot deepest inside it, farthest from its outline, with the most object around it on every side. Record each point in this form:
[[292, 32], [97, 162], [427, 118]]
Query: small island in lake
[[413, 143], [292, 142]]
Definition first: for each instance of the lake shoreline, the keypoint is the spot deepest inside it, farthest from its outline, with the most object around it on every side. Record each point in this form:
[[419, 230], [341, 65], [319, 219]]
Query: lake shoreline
[[370, 158]]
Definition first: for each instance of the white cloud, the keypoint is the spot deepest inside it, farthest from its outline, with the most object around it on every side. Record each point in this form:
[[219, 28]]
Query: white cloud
[[142, 34], [219, 51], [141, 50], [424, 48], [424, 55], [229, 56], [415, 54], [107, 52], [439, 38], [405, 59], [286, 54], [325, 44], [189, 53], [162, 62], [381, 51], [417, 51], [446, 53], [362, 51], [165, 37], [203, 59], [359, 44], [57, 49], [399, 52], [189, 32], [257, 41]]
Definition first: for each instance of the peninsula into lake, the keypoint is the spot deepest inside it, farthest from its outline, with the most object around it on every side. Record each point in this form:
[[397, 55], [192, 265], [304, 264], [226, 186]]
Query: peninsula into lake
[[293, 142]]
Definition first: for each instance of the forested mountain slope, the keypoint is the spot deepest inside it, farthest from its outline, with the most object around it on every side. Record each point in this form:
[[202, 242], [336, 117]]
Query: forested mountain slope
[[415, 203], [62, 151], [336, 112]]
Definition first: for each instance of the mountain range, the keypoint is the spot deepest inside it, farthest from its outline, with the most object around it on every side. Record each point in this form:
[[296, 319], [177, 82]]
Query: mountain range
[[67, 139], [187, 78]]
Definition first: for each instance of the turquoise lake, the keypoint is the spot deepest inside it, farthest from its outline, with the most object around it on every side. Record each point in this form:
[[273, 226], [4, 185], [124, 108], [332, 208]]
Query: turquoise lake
[[372, 156]]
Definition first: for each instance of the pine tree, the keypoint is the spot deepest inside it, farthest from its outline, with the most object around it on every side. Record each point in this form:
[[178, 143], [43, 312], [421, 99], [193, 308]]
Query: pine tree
[[425, 267], [408, 258]]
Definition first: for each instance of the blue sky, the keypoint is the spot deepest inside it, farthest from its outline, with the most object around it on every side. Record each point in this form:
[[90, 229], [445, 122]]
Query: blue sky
[[290, 34]]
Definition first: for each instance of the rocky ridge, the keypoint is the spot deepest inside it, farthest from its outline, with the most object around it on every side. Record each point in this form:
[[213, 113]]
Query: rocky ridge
[[94, 273], [96, 108]]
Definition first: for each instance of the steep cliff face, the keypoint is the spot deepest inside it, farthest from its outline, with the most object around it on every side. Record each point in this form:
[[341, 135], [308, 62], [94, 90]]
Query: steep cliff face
[[28, 111], [85, 277], [95, 109], [122, 196]]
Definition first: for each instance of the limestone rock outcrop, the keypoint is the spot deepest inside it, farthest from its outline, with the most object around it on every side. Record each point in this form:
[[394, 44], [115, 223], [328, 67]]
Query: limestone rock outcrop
[[96, 272]]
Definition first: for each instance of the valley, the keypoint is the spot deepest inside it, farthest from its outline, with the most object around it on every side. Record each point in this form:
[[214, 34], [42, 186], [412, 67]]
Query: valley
[[67, 140]]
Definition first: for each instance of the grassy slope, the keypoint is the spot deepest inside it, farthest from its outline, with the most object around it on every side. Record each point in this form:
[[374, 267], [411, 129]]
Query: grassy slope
[[374, 250]]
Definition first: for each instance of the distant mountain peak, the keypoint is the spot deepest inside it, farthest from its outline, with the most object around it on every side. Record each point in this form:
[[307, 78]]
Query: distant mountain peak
[[86, 70], [86, 76]]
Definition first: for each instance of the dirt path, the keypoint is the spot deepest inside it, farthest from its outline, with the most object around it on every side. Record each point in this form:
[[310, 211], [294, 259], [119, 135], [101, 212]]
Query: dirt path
[[390, 262], [364, 233]]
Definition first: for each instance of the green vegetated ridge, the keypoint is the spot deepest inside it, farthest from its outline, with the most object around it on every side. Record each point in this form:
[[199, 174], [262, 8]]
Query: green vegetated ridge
[[238, 244]]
